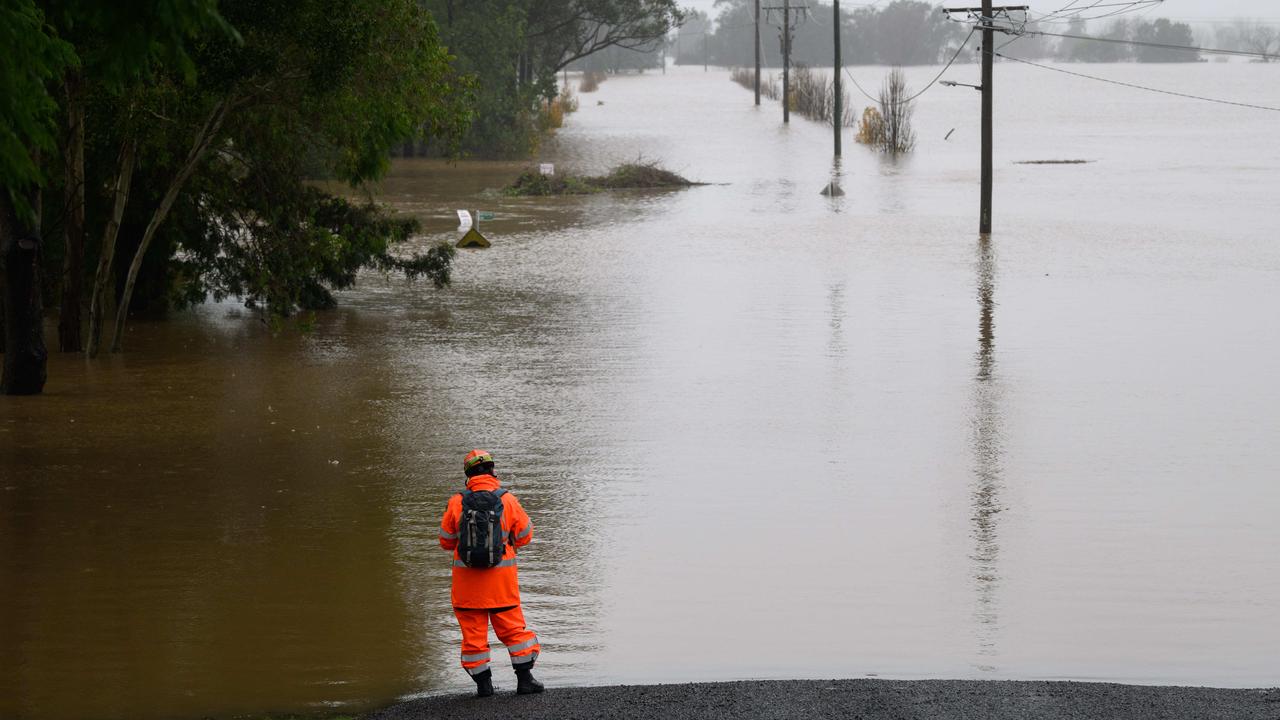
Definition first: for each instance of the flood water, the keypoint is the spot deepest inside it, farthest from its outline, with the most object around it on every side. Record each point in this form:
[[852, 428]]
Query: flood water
[[761, 433]]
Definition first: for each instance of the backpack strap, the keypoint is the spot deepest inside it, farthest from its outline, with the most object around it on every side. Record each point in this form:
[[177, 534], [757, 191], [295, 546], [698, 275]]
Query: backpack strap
[[499, 492]]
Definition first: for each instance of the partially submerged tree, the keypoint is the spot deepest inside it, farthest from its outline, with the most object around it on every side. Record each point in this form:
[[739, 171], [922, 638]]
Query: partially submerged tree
[[563, 31], [1260, 38], [344, 83], [897, 135], [515, 48], [27, 122], [210, 120], [123, 48]]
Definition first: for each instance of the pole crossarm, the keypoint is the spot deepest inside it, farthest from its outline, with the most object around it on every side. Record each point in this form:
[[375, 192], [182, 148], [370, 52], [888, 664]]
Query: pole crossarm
[[986, 20], [977, 11], [797, 12]]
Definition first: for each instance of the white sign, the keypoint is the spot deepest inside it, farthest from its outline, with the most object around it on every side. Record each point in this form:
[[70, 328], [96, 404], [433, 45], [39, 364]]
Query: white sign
[[547, 168], [464, 219]]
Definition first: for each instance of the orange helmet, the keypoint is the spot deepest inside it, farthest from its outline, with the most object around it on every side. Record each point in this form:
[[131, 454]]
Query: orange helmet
[[475, 457]]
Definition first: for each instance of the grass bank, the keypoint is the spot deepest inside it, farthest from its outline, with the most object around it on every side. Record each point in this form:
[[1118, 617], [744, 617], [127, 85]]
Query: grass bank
[[636, 175]]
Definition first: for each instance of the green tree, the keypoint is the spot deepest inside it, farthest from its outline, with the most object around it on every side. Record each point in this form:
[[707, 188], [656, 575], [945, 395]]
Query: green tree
[[35, 57], [122, 46], [342, 81], [515, 48], [218, 125]]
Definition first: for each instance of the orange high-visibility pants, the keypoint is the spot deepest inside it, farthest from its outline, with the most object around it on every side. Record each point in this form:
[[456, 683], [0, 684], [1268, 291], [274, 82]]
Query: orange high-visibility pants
[[508, 623]]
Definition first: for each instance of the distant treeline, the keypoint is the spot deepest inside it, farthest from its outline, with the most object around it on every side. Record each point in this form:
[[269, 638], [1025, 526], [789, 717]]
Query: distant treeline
[[903, 32], [1129, 37], [914, 32]]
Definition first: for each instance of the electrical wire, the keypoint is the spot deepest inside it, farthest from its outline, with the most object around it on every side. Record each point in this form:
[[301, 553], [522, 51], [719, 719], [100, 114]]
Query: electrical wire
[[1165, 46], [931, 82], [1140, 87], [1066, 15]]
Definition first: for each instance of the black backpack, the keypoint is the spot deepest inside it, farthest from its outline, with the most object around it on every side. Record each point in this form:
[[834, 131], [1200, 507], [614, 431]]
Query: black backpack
[[481, 542]]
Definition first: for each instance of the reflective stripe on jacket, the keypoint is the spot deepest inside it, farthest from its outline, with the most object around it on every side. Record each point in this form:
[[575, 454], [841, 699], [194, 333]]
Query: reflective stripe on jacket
[[491, 587]]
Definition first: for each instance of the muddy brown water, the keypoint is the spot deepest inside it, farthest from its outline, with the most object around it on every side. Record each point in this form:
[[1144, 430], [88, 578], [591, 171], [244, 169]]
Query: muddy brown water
[[761, 433]]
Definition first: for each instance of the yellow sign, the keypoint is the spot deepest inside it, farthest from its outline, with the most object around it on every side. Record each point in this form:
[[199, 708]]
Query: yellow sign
[[473, 238]]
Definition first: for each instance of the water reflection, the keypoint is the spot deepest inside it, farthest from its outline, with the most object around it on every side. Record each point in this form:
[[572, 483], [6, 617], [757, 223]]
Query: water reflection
[[987, 482], [835, 198], [890, 191], [242, 562]]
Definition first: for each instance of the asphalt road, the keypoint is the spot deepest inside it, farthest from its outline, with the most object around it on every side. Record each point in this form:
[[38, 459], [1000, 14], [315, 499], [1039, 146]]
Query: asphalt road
[[852, 700]]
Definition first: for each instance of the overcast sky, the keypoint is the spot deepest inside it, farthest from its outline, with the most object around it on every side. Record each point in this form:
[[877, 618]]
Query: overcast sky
[[1177, 9]]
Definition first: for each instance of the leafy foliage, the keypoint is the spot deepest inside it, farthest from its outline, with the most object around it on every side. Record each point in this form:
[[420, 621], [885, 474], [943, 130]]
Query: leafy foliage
[[26, 108], [292, 250], [515, 48], [309, 89], [343, 83]]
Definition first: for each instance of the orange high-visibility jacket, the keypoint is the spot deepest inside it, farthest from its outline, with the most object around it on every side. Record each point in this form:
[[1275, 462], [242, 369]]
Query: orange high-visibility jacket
[[490, 587]]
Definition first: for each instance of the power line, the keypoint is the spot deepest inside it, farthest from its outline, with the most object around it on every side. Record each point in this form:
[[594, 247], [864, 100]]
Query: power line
[[1140, 87], [1067, 14], [931, 82], [1165, 46]]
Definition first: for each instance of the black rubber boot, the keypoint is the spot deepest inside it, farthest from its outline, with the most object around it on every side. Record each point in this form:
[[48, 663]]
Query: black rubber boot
[[525, 684], [484, 683]]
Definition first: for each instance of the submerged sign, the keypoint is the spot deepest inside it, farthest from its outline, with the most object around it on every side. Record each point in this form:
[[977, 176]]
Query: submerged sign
[[473, 239]]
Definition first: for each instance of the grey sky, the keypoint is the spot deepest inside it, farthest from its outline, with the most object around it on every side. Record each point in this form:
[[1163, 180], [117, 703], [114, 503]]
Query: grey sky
[[1178, 9]]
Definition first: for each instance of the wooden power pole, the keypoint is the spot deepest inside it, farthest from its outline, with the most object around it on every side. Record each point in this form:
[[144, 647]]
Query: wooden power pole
[[757, 52], [988, 66], [786, 55], [786, 61], [837, 115], [986, 17]]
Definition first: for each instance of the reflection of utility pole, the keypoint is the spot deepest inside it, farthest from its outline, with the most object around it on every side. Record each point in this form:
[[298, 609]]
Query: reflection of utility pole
[[986, 17], [837, 115], [987, 436], [757, 53]]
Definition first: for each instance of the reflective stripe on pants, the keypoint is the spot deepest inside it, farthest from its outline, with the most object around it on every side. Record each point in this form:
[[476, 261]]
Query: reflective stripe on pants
[[522, 643]]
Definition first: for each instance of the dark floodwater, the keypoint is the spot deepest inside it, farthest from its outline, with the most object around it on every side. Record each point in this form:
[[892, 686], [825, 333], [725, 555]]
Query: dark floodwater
[[762, 433]]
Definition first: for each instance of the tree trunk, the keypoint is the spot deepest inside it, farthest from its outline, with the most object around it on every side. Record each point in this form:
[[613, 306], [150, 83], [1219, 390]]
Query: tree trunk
[[203, 140], [25, 357], [73, 264], [102, 280]]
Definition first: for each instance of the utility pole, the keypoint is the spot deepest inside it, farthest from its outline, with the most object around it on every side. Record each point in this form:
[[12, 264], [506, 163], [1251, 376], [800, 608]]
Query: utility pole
[[988, 67], [704, 51], [786, 61], [986, 17], [757, 53], [786, 56], [837, 118]]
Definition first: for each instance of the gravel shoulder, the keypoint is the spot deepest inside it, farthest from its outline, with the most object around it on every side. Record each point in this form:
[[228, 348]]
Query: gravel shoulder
[[854, 700]]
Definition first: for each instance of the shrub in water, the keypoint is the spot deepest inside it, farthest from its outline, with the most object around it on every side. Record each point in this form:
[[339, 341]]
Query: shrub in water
[[871, 127]]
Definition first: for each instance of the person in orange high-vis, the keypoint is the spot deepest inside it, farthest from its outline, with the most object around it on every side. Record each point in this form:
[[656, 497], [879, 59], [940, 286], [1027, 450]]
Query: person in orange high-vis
[[488, 590]]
